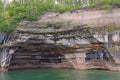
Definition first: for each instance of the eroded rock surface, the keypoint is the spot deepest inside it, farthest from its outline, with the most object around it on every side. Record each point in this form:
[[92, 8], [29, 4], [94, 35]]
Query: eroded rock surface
[[76, 39]]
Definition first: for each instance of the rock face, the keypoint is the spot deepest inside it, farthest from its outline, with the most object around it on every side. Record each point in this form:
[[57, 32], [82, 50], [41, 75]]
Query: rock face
[[90, 18], [78, 39], [5, 50]]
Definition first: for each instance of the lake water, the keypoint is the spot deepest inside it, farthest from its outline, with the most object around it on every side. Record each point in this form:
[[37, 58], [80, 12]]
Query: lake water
[[60, 74]]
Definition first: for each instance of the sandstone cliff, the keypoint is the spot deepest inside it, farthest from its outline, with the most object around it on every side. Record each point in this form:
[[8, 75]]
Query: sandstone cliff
[[80, 39]]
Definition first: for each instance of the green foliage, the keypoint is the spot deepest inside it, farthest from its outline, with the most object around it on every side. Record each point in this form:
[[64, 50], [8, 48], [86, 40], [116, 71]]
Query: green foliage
[[107, 7], [106, 1], [61, 7], [11, 13]]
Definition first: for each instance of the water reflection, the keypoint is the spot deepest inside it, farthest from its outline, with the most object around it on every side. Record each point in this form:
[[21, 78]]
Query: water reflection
[[60, 74], [3, 76], [94, 75]]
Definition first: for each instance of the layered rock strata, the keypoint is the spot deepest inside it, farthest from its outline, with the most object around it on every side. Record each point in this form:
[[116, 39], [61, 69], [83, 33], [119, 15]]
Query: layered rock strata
[[77, 39]]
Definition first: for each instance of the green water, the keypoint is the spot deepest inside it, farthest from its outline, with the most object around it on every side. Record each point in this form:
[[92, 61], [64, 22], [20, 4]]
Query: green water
[[59, 74]]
